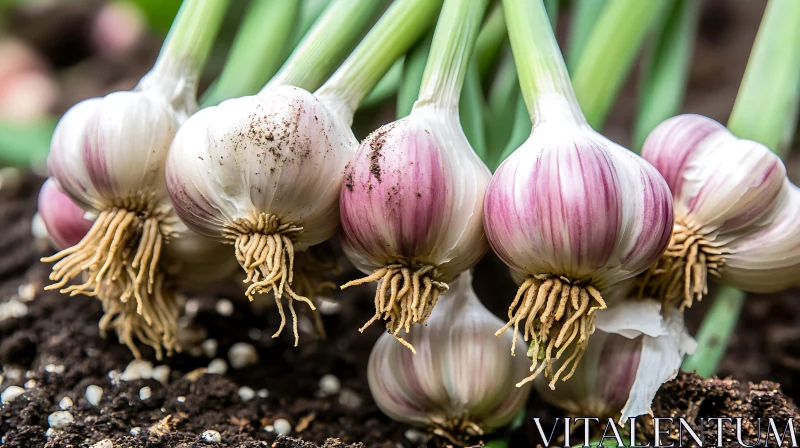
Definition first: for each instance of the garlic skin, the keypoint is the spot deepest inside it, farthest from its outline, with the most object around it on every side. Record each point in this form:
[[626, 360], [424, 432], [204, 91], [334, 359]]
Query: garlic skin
[[460, 382], [574, 214], [768, 260], [65, 222], [724, 189], [263, 174], [633, 352]]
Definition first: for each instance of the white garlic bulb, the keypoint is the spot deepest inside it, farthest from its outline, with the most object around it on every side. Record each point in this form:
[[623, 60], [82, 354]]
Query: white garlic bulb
[[460, 383]]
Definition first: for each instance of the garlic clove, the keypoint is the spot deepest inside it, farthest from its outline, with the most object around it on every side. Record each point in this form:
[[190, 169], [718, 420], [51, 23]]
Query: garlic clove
[[65, 221], [768, 260]]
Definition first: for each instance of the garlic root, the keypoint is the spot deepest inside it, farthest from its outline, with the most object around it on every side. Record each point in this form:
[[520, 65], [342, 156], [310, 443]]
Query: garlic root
[[156, 326], [411, 297], [114, 273], [265, 251], [680, 277], [553, 323]]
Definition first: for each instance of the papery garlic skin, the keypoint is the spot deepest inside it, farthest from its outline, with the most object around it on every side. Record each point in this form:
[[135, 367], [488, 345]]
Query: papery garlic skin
[[574, 214], [262, 173], [724, 189], [768, 260], [460, 382], [65, 222], [633, 352]]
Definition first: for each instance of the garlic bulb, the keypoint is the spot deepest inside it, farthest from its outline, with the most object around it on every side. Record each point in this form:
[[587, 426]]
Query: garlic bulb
[[633, 352], [460, 383], [65, 222], [413, 197], [570, 211], [724, 189], [108, 156], [263, 173]]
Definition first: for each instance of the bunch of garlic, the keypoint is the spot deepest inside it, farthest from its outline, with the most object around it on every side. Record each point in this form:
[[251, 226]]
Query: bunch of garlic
[[460, 382], [633, 352], [413, 197], [571, 212], [731, 198], [108, 156], [263, 173]]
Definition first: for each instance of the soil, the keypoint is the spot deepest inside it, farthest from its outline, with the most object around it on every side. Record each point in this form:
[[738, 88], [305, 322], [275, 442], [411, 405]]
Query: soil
[[55, 349]]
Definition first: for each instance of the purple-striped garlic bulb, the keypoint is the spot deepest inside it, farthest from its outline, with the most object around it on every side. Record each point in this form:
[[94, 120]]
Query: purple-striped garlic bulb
[[573, 214], [634, 351], [65, 222], [108, 156], [412, 202], [725, 189], [570, 211], [460, 383]]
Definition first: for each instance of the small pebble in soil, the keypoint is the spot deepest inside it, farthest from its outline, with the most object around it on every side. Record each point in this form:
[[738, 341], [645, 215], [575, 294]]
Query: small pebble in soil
[[224, 307], [11, 393], [328, 306], [263, 393], [254, 334], [242, 354], [137, 370], [65, 403], [217, 367], [210, 348], [135, 431], [114, 376], [60, 419], [415, 436], [329, 385], [212, 436], [54, 368], [26, 292], [30, 384], [50, 432], [161, 374], [246, 393], [350, 399], [282, 426], [181, 399], [94, 394], [38, 229], [107, 443], [13, 309], [145, 393], [192, 307]]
